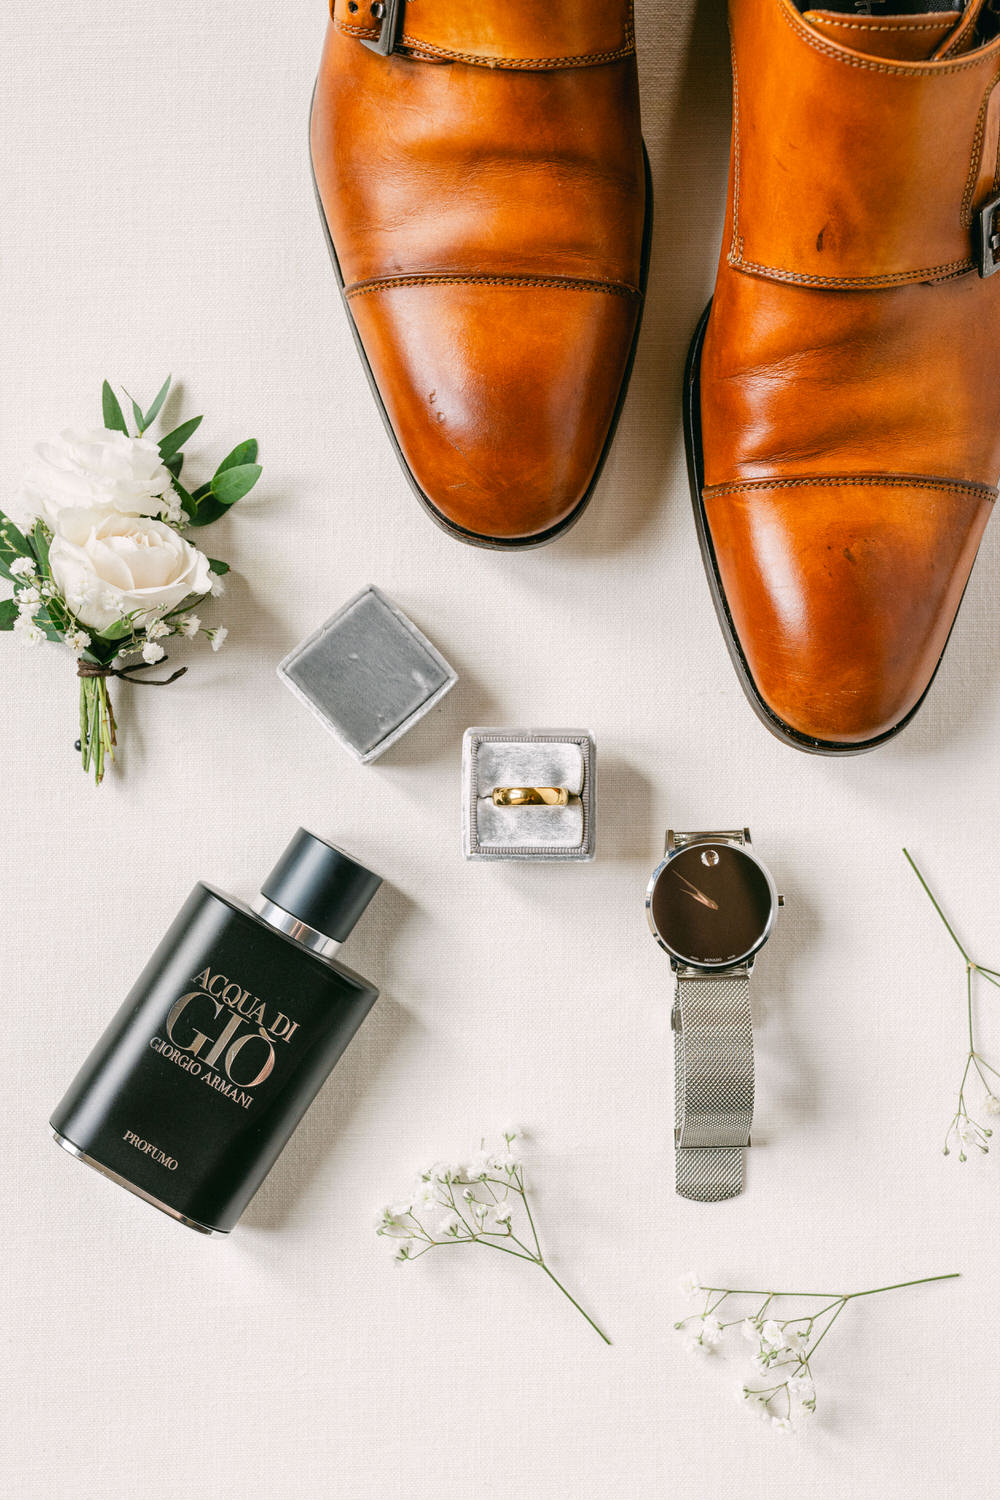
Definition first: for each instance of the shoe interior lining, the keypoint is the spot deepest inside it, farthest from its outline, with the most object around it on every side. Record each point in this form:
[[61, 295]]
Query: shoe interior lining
[[987, 25]]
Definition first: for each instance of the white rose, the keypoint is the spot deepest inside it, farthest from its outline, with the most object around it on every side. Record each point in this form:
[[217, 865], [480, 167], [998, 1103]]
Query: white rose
[[107, 565], [98, 468]]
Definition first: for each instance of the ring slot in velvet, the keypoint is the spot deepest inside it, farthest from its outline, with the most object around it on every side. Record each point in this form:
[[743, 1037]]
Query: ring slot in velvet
[[517, 763]]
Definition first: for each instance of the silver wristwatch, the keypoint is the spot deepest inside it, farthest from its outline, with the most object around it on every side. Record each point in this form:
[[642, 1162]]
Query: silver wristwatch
[[711, 904]]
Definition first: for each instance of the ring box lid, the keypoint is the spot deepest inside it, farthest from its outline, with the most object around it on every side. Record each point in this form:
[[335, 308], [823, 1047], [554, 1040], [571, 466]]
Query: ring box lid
[[368, 674]]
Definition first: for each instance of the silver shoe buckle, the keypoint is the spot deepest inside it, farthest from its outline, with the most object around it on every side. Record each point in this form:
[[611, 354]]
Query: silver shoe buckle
[[390, 13], [987, 238]]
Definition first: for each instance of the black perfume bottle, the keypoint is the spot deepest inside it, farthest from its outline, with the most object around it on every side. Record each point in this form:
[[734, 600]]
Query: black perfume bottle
[[224, 1042]]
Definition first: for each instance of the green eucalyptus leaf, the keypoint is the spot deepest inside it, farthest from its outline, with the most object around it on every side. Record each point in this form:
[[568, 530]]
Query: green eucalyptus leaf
[[136, 413], [8, 614], [218, 567], [243, 453], [112, 411], [40, 542], [209, 510], [116, 632], [232, 484], [176, 439], [188, 502], [154, 410], [12, 545], [174, 464], [202, 490], [44, 623]]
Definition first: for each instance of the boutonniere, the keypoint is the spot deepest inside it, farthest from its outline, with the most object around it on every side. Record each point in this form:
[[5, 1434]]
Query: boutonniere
[[103, 565]]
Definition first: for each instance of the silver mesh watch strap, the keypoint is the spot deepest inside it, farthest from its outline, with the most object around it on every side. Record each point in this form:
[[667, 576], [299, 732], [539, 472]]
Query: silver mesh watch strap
[[713, 1083]]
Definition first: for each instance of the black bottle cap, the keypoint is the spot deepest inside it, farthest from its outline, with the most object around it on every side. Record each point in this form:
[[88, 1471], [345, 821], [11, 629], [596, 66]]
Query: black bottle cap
[[321, 885]]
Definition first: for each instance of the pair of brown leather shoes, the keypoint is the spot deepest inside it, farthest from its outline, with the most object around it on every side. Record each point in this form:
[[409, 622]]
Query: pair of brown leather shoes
[[483, 183]]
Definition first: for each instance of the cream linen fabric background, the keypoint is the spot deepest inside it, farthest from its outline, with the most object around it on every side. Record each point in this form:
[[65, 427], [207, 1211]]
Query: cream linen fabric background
[[158, 216]]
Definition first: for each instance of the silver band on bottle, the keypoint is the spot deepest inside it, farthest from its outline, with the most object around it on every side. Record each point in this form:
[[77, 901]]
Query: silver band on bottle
[[713, 1083], [310, 937]]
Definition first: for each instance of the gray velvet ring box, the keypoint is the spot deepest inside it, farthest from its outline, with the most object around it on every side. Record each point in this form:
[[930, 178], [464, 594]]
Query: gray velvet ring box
[[368, 674], [529, 757]]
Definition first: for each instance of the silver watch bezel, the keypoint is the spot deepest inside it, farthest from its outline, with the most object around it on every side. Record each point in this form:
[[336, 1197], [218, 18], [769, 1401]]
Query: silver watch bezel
[[680, 960]]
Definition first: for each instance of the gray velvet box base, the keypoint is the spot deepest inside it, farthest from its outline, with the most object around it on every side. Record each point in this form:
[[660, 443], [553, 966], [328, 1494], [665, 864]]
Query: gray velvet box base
[[368, 674], [529, 757]]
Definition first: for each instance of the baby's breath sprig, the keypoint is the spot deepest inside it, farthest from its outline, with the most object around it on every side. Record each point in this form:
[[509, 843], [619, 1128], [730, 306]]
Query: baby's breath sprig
[[481, 1202], [783, 1346], [965, 1131]]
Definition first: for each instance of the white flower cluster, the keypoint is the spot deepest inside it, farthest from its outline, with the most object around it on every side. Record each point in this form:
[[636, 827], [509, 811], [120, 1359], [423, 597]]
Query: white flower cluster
[[780, 1353], [28, 598], [967, 1133], [116, 555], [481, 1201], [454, 1202]]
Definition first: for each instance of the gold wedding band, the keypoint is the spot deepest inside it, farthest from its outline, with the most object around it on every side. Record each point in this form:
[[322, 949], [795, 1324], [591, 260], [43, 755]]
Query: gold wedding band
[[530, 796]]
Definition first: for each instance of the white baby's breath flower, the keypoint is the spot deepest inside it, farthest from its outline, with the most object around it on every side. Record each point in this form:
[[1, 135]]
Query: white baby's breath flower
[[781, 1424], [761, 1363], [28, 598], [750, 1330], [29, 632], [755, 1402], [711, 1331], [463, 1227], [189, 625], [152, 652], [217, 636], [157, 629], [796, 1341], [23, 567], [217, 586], [692, 1344], [426, 1197], [689, 1285], [803, 1391], [992, 1104], [78, 641], [773, 1335]]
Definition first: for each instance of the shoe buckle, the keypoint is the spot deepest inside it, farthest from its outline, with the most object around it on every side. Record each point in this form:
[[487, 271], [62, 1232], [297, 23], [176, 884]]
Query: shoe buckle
[[390, 13], [987, 238]]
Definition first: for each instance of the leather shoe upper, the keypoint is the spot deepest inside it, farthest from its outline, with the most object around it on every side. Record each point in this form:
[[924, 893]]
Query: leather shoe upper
[[484, 191], [849, 393]]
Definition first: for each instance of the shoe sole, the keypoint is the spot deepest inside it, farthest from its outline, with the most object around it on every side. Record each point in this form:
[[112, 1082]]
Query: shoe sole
[[696, 479], [474, 539]]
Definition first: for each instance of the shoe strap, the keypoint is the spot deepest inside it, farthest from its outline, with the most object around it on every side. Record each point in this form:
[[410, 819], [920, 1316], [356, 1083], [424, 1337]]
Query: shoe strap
[[523, 35], [851, 171]]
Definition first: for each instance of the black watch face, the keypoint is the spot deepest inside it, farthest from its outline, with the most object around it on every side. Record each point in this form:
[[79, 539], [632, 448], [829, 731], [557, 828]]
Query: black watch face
[[711, 904]]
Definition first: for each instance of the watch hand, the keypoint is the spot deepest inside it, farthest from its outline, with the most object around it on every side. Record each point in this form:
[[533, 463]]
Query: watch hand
[[695, 894]]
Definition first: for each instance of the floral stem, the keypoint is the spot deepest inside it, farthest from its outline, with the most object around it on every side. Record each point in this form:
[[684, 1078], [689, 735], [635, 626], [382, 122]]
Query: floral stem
[[936, 907], [572, 1299], [835, 1296], [898, 1285]]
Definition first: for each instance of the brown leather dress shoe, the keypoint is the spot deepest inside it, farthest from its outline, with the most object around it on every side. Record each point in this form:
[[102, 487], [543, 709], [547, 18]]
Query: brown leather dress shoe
[[843, 394], [482, 180]]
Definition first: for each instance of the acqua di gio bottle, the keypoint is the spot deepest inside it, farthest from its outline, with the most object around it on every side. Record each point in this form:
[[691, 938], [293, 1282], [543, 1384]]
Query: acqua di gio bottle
[[226, 1038]]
